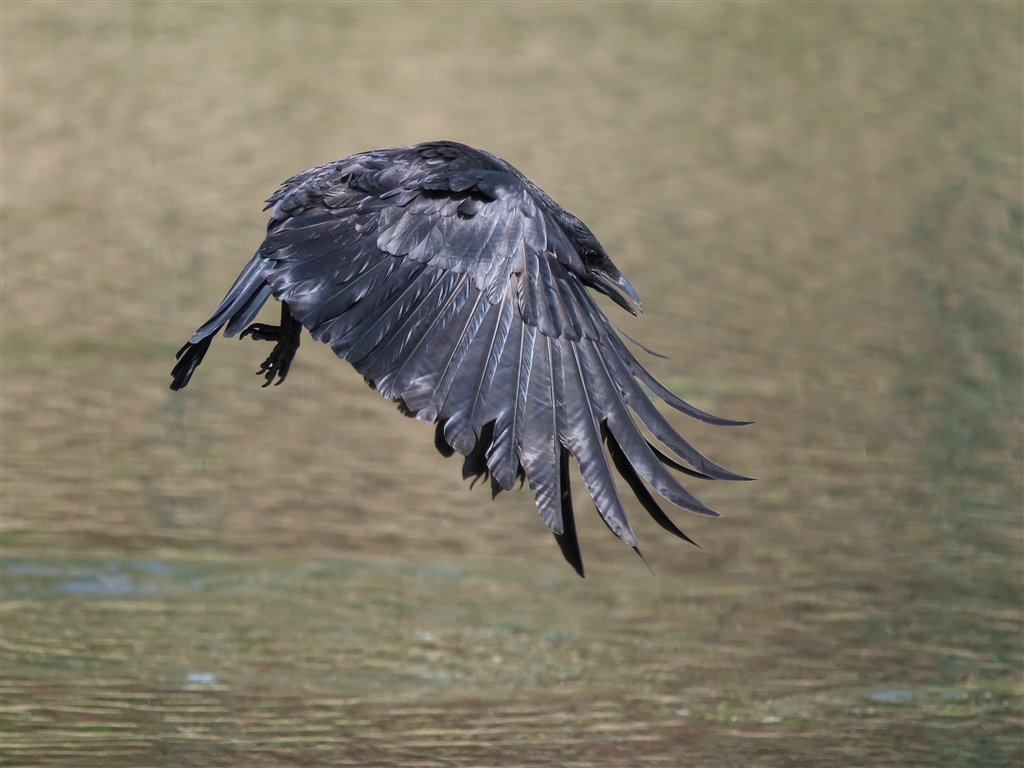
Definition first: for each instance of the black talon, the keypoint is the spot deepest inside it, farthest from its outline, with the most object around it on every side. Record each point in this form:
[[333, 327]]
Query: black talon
[[287, 335], [262, 332]]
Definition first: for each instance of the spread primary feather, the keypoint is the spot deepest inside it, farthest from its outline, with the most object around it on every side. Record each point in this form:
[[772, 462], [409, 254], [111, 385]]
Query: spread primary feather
[[458, 288]]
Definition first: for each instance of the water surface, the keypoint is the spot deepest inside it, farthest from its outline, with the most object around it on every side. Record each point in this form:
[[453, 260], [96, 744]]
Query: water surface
[[822, 211]]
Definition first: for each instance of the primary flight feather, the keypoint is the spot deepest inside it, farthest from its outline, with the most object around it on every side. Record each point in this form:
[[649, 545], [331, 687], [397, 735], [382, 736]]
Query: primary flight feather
[[458, 288]]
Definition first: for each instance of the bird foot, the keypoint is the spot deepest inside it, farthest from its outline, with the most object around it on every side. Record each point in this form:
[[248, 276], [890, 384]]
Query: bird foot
[[287, 335], [262, 332]]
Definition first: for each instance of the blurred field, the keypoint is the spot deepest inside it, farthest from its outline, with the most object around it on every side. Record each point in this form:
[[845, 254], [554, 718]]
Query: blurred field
[[821, 206]]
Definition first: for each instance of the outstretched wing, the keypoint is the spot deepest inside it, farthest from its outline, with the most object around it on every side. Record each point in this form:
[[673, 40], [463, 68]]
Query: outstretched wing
[[443, 279]]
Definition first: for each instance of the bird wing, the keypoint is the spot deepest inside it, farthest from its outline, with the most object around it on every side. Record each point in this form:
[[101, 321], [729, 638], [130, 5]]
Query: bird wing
[[450, 289], [438, 274]]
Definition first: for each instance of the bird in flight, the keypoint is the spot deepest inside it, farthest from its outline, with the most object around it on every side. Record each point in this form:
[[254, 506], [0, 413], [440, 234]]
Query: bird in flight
[[459, 289]]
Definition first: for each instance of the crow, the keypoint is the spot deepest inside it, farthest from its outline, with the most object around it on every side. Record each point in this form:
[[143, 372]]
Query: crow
[[458, 289]]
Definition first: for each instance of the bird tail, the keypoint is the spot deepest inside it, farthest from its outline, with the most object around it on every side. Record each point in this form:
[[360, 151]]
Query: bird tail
[[239, 307]]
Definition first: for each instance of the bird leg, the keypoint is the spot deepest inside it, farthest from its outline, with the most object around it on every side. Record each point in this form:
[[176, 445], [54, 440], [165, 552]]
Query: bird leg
[[287, 335]]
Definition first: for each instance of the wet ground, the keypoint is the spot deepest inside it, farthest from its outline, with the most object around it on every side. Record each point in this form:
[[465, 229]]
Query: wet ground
[[821, 208]]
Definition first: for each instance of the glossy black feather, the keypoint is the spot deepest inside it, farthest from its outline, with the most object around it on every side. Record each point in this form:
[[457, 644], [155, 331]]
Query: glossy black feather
[[541, 449], [647, 501], [567, 539], [508, 404], [459, 289], [583, 439]]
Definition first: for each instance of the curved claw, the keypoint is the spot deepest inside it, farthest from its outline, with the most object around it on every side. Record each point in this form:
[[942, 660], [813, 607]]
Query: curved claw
[[287, 335]]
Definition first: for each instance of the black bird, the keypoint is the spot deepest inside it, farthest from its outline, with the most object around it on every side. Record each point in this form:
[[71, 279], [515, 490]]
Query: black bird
[[458, 288]]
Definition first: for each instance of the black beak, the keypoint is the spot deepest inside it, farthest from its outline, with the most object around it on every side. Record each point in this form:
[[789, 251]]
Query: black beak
[[630, 291]]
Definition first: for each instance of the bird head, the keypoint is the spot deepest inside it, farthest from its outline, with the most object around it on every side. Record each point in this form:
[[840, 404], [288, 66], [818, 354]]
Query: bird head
[[601, 273]]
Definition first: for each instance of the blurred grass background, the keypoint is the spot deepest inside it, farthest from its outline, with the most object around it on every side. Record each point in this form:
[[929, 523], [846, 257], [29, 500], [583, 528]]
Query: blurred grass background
[[821, 206]]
